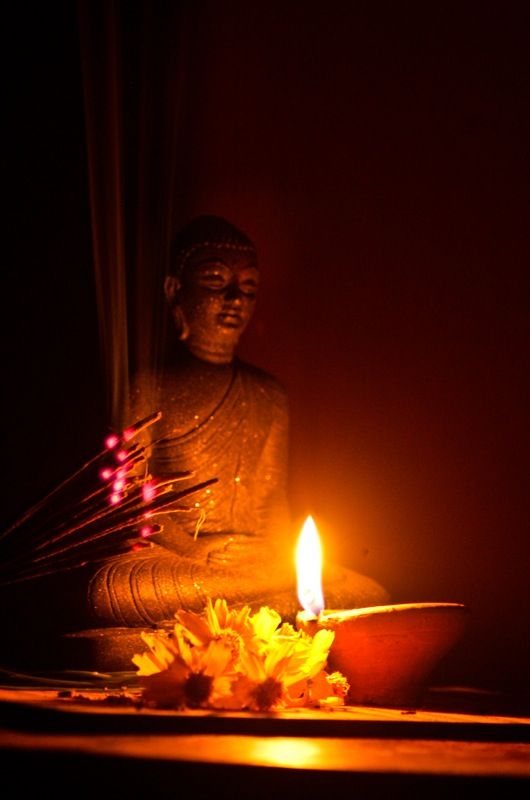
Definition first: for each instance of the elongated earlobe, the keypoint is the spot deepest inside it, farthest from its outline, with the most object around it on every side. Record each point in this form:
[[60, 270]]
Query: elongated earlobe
[[181, 325], [172, 292], [171, 289]]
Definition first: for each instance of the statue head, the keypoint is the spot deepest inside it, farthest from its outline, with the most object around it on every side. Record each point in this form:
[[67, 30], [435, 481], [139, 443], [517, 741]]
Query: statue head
[[212, 285]]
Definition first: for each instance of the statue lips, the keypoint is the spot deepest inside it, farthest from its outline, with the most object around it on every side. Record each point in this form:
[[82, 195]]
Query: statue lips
[[230, 318]]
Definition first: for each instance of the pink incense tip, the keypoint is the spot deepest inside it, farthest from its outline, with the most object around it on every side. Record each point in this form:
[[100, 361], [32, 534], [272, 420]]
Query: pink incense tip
[[148, 491], [128, 434], [105, 474], [118, 484], [121, 455], [115, 498], [146, 531], [111, 441], [140, 544]]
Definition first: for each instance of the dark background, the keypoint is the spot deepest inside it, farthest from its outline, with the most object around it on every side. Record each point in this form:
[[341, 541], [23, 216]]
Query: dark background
[[378, 155]]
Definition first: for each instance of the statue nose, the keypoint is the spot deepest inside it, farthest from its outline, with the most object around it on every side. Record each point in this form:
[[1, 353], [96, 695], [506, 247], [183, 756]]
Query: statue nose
[[234, 293]]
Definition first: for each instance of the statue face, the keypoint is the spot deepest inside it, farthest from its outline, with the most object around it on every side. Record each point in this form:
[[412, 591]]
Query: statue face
[[217, 295]]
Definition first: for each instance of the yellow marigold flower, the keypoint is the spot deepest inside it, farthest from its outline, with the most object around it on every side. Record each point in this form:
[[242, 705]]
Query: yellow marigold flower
[[288, 662], [194, 679], [321, 690], [339, 684], [220, 617], [166, 689], [234, 659], [265, 623], [217, 622], [308, 654], [266, 695], [162, 653], [318, 651], [324, 689]]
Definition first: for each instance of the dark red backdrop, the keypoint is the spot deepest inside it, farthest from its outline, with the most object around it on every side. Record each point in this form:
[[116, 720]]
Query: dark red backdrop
[[378, 154]]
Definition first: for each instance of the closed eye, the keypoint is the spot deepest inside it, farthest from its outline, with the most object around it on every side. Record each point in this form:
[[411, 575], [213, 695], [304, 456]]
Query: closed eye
[[213, 276], [213, 281], [249, 287]]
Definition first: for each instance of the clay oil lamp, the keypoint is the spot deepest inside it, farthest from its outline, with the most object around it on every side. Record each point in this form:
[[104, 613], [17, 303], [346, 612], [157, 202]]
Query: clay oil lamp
[[387, 653]]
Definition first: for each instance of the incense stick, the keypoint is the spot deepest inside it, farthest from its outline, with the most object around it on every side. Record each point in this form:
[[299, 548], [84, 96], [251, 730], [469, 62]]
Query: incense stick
[[61, 532]]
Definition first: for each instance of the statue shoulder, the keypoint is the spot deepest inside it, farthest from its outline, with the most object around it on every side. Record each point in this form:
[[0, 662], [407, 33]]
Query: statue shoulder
[[143, 386], [265, 385], [145, 394]]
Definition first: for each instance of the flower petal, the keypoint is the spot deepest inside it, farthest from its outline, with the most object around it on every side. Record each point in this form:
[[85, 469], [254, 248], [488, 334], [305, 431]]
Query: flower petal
[[264, 622], [197, 630]]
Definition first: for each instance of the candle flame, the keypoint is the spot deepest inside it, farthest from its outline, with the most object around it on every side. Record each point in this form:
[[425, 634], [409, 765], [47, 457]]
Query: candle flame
[[309, 568]]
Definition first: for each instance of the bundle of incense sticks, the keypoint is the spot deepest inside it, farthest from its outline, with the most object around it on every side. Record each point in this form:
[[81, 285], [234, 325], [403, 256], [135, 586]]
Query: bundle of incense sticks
[[106, 507]]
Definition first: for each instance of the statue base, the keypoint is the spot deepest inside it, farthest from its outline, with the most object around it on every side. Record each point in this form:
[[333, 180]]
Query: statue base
[[103, 649]]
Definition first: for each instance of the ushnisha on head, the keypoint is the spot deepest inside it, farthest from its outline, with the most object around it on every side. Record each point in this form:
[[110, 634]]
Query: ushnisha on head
[[212, 286]]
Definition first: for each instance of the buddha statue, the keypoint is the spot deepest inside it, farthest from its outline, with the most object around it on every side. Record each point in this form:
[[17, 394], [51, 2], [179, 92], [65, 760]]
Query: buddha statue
[[223, 419]]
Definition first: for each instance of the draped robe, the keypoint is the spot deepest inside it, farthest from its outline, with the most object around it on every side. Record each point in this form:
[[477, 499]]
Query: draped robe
[[232, 539]]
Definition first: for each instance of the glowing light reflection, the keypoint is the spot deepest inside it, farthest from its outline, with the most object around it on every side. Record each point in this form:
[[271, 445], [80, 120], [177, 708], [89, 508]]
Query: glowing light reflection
[[148, 492], [285, 752]]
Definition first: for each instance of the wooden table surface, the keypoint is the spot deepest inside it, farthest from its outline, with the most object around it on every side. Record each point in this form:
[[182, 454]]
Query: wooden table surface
[[86, 743]]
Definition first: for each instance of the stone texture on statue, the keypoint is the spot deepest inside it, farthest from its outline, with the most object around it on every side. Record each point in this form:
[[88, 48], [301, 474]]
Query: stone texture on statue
[[233, 427]]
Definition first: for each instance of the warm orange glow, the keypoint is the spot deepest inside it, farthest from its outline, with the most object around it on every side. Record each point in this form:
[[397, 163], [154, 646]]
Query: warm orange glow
[[309, 568], [280, 751]]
